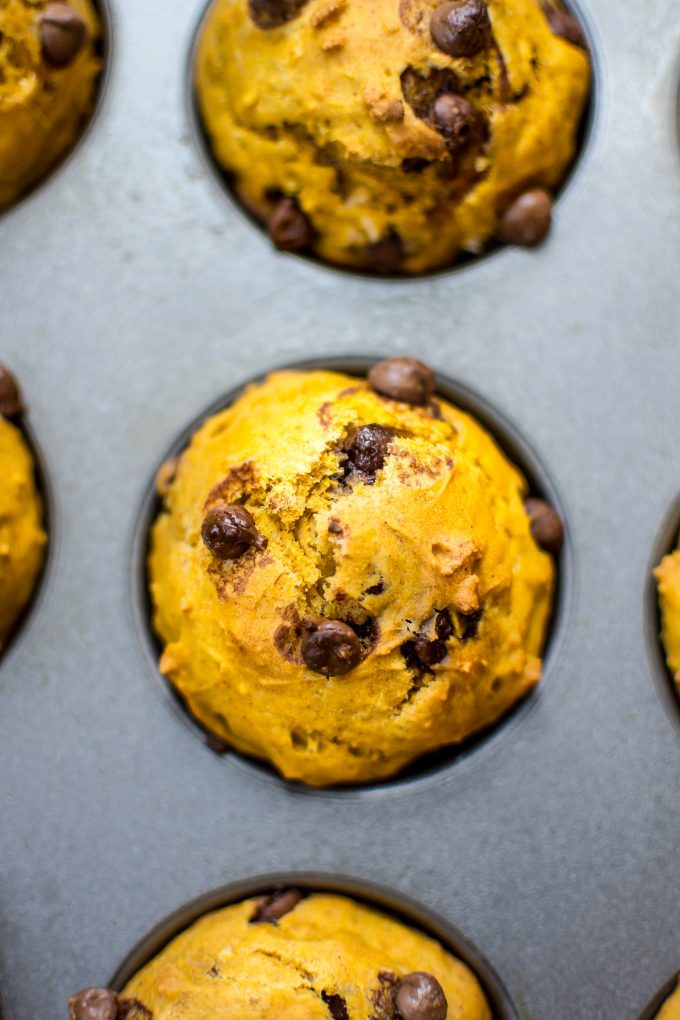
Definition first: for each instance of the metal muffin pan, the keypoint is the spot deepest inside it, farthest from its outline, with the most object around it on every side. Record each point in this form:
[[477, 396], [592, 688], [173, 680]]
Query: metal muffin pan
[[132, 296], [378, 897]]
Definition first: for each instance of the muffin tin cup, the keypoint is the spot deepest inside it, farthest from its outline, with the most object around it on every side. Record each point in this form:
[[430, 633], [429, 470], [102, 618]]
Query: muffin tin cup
[[434, 765], [666, 541], [652, 1008], [403, 908]]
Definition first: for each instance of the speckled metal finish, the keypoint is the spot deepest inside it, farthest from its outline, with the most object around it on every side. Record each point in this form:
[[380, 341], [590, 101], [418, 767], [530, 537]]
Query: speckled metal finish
[[133, 295]]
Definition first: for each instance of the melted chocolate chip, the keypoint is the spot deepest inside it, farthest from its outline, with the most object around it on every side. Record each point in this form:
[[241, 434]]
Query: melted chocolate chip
[[337, 1007], [421, 997], [367, 449], [276, 906], [461, 28], [274, 13], [332, 648], [383, 997], [565, 26], [376, 589], [455, 118], [546, 525], [133, 1009], [288, 227], [469, 624], [526, 221], [443, 625], [386, 255], [421, 652], [422, 90], [63, 32], [93, 1004], [229, 531], [405, 379], [10, 395]]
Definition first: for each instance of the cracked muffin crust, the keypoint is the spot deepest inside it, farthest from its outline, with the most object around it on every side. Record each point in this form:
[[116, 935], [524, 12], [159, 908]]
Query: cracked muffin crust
[[325, 957], [48, 71], [379, 594], [667, 576], [390, 137], [22, 539]]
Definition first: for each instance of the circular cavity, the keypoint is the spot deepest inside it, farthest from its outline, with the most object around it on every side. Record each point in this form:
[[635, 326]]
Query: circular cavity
[[465, 260], [104, 50], [665, 542], [435, 765], [651, 1010], [44, 488], [401, 907]]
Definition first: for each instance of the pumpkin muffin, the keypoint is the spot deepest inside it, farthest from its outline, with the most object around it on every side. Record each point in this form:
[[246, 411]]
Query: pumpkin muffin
[[392, 136], [667, 576], [345, 574], [22, 539], [296, 958], [48, 72]]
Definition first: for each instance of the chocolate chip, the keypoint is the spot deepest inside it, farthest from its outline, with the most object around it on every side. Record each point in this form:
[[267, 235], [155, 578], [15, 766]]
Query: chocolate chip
[[376, 589], [288, 227], [454, 118], [133, 1009], [93, 1004], [460, 28], [421, 997], [443, 625], [337, 1007], [546, 525], [386, 255], [10, 395], [469, 624], [274, 13], [63, 32], [331, 648], [405, 379], [565, 26], [367, 449], [276, 906], [414, 164], [527, 220], [229, 531]]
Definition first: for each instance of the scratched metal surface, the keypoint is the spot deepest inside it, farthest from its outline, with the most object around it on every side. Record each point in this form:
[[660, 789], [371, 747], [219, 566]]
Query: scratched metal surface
[[133, 295]]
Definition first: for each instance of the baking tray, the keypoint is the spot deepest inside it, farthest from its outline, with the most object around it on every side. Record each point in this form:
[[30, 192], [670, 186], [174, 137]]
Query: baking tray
[[133, 295]]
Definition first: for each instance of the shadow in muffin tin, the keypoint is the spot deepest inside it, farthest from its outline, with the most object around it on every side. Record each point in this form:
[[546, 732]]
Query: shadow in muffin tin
[[104, 51], [225, 181], [665, 542], [435, 765], [656, 1002], [401, 907]]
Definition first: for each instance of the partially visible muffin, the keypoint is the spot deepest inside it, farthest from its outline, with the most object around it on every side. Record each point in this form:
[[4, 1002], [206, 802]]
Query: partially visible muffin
[[671, 1007], [667, 576], [303, 958], [22, 538], [392, 136], [49, 65]]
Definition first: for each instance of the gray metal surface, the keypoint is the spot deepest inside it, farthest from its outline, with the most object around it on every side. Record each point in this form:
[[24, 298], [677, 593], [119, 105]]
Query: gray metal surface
[[133, 295]]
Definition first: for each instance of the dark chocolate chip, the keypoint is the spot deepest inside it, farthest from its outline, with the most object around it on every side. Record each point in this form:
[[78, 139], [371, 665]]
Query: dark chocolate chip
[[337, 1007], [443, 625], [288, 227], [10, 395], [421, 997], [367, 448], [376, 589], [63, 32], [546, 525], [386, 255], [565, 26], [331, 648], [455, 119], [527, 220], [93, 1004], [422, 90], [276, 906], [405, 379], [229, 531], [469, 624], [461, 28], [274, 13]]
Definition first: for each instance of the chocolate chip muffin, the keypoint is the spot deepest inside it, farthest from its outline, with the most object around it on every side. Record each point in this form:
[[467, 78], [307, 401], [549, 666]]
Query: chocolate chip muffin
[[300, 958], [667, 576], [345, 575], [671, 1007], [391, 136], [48, 72], [22, 539]]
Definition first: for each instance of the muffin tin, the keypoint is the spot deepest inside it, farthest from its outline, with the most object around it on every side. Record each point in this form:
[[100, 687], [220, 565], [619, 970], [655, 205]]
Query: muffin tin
[[132, 297]]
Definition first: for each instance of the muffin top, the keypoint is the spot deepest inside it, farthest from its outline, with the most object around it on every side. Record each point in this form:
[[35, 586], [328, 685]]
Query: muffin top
[[301, 959], [389, 136], [343, 580], [668, 580]]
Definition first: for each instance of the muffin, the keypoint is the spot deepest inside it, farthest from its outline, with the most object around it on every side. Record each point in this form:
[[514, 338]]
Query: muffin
[[22, 539], [48, 73], [667, 576], [345, 575], [285, 956], [389, 137]]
